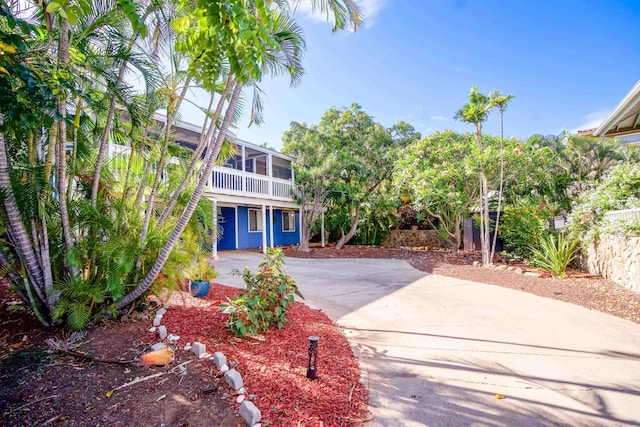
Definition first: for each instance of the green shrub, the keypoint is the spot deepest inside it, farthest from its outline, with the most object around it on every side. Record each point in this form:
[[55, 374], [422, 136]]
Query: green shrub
[[555, 254], [522, 226], [267, 300], [618, 190]]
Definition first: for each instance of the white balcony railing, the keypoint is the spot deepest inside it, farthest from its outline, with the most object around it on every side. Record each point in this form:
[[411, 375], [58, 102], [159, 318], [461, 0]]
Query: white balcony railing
[[622, 214], [238, 183]]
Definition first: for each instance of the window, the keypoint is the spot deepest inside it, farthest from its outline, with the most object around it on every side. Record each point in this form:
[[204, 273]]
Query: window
[[255, 220], [288, 221]]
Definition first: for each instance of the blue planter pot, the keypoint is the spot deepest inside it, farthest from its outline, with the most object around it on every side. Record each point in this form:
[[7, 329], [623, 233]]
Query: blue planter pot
[[198, 289]]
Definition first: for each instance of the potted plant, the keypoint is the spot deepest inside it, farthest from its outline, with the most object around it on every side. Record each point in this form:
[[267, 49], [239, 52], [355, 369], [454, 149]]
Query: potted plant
[[200, 273]]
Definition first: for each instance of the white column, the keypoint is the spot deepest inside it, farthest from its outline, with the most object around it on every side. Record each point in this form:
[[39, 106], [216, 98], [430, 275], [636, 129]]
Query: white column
[[236, 213], [271, 225], [301, 217], [244, 178], [214, 244], [270, 173], [322, 228], [264, 229]]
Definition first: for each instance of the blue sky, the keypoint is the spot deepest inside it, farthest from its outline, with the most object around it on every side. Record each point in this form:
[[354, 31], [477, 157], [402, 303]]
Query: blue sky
[[568, 63]]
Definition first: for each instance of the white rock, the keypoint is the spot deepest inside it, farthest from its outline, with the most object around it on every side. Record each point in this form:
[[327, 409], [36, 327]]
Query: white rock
[[187, 347], [152, 329], [205, 355], [198, 348], [240, 398], [224, 368], [173, 338], [242, 390], [158, 346]]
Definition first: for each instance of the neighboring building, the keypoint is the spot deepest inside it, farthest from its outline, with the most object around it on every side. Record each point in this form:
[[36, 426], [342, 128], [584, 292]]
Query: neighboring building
[[252, 194], [624, 121]]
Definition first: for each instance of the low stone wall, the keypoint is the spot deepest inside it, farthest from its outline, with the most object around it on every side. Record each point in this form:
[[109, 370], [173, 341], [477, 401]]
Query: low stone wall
[[616, 258], [413, 238]]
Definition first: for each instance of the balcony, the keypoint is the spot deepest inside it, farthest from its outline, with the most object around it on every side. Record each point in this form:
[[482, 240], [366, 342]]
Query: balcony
[[252, 171], [233, 182]]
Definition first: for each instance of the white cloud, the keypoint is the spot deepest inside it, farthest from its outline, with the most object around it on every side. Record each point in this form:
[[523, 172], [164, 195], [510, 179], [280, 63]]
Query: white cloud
[[368, 8], [438, 118], [592, 120]]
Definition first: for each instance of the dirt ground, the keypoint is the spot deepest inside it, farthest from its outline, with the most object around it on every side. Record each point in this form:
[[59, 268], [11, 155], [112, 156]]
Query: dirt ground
[[39, 387]]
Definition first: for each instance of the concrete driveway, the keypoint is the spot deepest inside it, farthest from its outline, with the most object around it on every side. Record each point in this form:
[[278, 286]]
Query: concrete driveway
[[438, 350]]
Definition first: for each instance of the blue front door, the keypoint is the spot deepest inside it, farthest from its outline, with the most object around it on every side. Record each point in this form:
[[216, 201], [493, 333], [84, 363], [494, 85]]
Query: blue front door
[[228, 222]]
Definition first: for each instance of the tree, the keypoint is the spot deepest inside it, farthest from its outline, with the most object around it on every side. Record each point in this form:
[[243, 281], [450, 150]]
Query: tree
[[437, 171], [365, 154], [476, 111], [499, 101], [578, 160], [341, 164], [242, 35], [314, 166]]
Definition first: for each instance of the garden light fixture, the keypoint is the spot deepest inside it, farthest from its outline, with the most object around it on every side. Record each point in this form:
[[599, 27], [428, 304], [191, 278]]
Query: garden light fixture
[[312, 365]]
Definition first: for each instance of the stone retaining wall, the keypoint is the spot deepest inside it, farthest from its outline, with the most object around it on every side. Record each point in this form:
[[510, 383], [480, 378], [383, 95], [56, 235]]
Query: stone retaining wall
[[616, 258], [413, 238]]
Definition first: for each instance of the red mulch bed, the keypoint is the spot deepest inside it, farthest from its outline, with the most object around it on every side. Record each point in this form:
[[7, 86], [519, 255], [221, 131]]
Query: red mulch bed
[[274, 366]]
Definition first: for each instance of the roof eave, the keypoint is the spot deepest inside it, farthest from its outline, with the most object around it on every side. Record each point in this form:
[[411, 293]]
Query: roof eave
[[630, 100]]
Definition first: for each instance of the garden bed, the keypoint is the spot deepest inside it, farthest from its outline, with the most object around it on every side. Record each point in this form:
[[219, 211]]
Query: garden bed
[[38, 387]]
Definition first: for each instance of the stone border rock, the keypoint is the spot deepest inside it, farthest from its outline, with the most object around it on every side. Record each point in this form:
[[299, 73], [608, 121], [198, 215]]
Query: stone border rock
[[248, 410], [519, 270]]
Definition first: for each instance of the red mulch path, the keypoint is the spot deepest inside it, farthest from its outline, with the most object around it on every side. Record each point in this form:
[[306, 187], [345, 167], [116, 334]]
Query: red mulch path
[[274, 366]]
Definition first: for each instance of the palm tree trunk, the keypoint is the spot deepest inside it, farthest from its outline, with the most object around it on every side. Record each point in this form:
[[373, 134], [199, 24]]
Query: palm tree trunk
[[485, 208], [51, 151], [104, 138], [145, 170], [171, 111], [205, 141], [182, 222], [483, 200], [500, 190], [18, 231], [63, 58]]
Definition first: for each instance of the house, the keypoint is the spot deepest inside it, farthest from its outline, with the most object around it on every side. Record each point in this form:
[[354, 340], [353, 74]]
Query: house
[[252, 194], [624, 121]]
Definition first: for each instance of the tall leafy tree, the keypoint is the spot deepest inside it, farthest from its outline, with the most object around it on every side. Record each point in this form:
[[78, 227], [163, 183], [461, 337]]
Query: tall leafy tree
[[438, 172], [341, 164], [314, 166]]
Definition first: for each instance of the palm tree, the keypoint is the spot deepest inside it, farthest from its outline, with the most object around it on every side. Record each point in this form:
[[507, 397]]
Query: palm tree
[[344, 11], [500, 101], [476, 111]]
